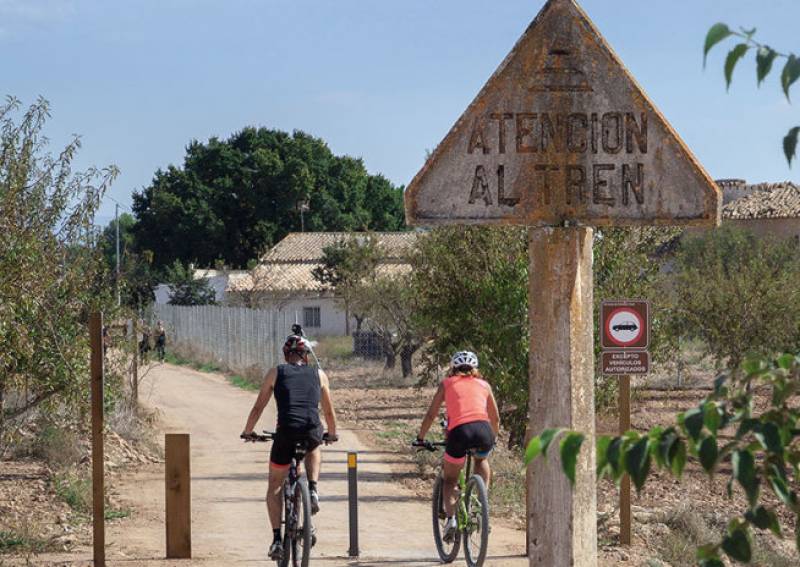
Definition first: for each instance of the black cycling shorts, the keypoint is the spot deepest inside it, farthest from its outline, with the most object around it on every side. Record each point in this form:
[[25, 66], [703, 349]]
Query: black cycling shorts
[[476, 435], [286, 438]]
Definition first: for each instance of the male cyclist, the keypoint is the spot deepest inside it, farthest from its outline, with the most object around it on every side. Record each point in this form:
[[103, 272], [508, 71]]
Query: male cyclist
[[298, 390], [472, 423]]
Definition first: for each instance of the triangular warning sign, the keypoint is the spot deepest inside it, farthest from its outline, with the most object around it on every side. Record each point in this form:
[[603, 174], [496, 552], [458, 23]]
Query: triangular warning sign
[[562, 134]]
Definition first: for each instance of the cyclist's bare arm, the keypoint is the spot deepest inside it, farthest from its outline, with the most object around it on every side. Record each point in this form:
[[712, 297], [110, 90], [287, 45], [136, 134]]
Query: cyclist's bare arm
[[433, 412], [494, 414], [327, 404], [261, 401]]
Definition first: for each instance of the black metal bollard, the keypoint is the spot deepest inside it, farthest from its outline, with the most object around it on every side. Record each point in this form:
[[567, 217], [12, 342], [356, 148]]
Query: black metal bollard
[[352, 499]]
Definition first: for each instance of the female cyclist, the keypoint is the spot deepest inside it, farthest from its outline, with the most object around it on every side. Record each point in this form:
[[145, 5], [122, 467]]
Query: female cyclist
[[472, 423]]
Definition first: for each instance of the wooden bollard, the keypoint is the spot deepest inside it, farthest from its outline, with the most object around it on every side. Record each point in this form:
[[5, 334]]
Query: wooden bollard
[[178, 496]]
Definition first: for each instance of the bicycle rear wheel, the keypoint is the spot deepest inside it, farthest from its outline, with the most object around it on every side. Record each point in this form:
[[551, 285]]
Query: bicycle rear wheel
[[476, 533], [301, 542], [447, 551]]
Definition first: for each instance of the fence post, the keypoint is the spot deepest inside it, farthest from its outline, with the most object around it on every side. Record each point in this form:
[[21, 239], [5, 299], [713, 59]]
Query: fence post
[[98, 492], [178, 496], [352, 500], [135, 367]]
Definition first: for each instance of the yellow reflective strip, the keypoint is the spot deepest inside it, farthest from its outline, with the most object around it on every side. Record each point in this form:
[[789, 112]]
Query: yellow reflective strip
[[351, 460]]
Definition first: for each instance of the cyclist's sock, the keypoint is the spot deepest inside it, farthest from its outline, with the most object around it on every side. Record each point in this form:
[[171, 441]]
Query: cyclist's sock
[[276, 535], [312, 485]]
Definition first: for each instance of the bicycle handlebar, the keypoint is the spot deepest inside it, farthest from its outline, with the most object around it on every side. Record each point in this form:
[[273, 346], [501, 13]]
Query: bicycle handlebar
[[270, 436], [428, 445]]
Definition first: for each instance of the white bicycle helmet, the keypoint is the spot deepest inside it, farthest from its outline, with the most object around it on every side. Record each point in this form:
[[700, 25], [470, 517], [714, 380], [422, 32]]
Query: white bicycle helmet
[[464, 358]]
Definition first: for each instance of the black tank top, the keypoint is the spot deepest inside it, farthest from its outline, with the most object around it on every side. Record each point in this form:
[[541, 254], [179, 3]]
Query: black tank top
[[297, 393]]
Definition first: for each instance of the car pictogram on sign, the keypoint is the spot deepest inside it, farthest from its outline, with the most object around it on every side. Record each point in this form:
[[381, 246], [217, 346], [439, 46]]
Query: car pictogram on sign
[[627, 326]]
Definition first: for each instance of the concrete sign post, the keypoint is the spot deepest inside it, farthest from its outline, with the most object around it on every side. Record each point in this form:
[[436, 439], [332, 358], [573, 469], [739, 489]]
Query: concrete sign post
[[562, 139]]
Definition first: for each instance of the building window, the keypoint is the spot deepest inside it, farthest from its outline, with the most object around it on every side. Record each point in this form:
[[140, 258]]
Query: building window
[[311, 317]]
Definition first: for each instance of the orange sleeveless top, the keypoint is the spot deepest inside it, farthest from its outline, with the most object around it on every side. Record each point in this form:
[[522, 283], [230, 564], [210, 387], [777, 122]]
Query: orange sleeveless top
[[466, 399]]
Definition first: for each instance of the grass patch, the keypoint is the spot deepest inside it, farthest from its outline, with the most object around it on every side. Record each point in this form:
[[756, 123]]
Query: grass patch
[[176, 359], [117, 513], [75, 490], [22, 540], [10, 541], [180, 360], [335, 348], [397, 431], [207, 367], [244, 383]]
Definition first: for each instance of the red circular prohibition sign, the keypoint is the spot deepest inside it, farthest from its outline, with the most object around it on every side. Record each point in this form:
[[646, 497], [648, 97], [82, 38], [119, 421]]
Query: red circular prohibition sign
[[627, 311]]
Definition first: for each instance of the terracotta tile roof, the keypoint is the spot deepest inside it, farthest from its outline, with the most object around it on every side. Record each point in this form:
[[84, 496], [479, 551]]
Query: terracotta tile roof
[[289, 266], [295, 278], [766, 201], [308, 246]]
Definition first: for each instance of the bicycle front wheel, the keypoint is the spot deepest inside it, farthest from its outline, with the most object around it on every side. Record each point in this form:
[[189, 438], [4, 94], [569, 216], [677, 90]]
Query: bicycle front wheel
[[476, 532], [447, 551], [301, 542]]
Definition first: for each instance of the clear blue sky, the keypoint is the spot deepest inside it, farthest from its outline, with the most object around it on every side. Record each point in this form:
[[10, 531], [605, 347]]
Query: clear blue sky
[[379, 79]]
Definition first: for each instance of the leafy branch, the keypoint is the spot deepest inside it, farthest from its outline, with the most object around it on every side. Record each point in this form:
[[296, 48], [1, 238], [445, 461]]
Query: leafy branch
[[759, 450], [765, 59]]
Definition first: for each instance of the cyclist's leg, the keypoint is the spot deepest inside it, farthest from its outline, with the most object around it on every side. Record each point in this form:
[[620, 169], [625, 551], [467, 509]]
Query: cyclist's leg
[[483, 469], [313, 462], [280, 457], [275, 494], [455, 455], [450, 470]]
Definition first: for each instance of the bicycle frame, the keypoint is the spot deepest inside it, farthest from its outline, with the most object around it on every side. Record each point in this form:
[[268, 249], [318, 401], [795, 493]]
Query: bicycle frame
[[461, 507], [289, 490]]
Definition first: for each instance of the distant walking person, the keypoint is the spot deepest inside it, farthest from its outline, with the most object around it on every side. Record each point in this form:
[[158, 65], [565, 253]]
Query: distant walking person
[[144, 343], [161, 341]]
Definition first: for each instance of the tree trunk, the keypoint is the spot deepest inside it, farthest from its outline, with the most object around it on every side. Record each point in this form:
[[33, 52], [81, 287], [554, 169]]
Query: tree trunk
[[391, 358], [406, 354]]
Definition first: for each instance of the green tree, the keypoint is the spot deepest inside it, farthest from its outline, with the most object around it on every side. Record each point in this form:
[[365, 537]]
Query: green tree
[[185, 289], [765, 59], [234, 198], [51, 275], [755, 446], [471, 286], [388, 303], [737, 293], [344, 267]]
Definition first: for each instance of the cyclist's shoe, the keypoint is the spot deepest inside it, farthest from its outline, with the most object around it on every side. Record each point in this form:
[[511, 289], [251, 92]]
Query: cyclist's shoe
[[276, 550], [314, 501], [313, 536], [450, 530]]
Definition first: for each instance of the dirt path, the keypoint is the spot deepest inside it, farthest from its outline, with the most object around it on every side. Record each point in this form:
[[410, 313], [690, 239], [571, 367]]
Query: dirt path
[[229, 480]]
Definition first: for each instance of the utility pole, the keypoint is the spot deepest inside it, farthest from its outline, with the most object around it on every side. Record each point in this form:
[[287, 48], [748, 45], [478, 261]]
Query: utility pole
[[116, 222]]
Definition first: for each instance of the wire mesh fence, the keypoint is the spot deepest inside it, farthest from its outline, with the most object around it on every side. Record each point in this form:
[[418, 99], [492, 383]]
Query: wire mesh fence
[[235, 337]]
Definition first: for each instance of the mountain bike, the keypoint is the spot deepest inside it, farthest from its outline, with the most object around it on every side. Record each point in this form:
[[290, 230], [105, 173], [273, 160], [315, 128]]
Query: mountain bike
[[299, 537], [471, 512]]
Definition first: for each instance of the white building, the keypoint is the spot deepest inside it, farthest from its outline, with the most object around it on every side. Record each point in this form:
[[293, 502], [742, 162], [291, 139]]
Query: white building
[[284, 279], [217, 279]]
